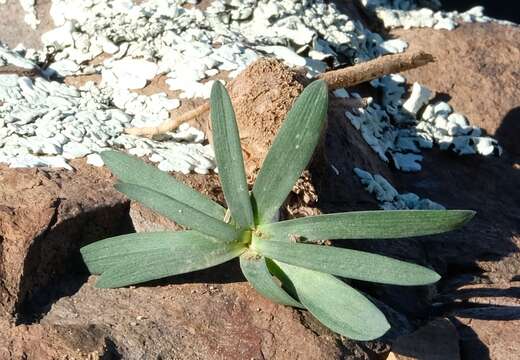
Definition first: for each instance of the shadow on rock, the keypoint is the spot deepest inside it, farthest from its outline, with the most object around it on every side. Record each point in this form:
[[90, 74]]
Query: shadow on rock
[[509, 132], [53, 267]]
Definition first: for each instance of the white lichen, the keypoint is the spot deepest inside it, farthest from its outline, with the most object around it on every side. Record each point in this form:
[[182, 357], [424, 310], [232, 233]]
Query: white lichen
[[389, 198], [396, 129]]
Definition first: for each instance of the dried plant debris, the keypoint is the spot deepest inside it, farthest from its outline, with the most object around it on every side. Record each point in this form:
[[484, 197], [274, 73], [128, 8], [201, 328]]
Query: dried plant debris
[[397, 128], [389, 198], [411, 14]]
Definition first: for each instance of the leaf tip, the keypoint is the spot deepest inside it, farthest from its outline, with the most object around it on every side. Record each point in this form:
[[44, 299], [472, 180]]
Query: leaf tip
[[216, 89]]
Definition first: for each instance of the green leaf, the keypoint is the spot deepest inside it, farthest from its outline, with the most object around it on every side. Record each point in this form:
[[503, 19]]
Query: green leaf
[[186, 252], [256, 272], [132, 170], [228, 153], [348, 263], [335, 304], [291, 151], [368, 225], [99, 256], [179, 212]]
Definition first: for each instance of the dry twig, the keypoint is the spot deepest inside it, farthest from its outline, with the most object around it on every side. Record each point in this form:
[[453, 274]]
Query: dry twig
[[336, 79], [370, 70]]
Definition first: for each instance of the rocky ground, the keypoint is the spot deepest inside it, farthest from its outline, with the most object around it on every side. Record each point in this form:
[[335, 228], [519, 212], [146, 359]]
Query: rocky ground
[[49, 308]]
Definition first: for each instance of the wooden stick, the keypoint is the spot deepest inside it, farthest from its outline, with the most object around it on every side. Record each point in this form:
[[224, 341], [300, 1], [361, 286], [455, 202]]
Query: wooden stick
[[347, 77], [370, 70], [170, 124]]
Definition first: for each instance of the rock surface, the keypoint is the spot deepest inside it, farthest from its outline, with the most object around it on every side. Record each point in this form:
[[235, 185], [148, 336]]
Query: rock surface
[[438, 340], [45, 216], [477, 69], [184, 319], [474, 68]]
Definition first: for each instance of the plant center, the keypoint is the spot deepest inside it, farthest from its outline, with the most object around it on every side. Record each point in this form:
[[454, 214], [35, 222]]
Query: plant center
[[245, 237]]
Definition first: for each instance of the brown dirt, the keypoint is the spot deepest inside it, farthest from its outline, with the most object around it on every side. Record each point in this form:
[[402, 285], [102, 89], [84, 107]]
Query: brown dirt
[[477, 69], [14, 30], [262, 95], [53, 342]]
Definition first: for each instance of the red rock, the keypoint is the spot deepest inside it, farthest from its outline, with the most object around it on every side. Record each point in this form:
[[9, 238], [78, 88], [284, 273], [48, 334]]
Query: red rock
[[45, 216], [489, 339], [437, 340]]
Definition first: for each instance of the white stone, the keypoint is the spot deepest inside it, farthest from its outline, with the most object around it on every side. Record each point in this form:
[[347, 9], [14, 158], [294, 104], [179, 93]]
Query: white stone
[[286, 54], [109, 47], [341, 93], [484, 145], [95, 160], [418, 98], [55, 162], [445, 24], [130, 73], [73, 150], [389, 198], [64, 67], [407, 162], [60, 37], [458, 119], [394, 46], [442, 108]]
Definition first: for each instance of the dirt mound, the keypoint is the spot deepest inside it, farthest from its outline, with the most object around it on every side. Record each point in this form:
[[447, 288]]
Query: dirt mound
[[262, 95]]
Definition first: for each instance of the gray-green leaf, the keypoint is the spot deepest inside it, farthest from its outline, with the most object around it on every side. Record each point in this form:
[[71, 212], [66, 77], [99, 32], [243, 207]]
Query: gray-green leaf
[[101, 255], [228, 153], [335, 304], [348, 263], [368, 225], [179, 212], [291, 151], [187, 252], [132, 170], [256, 272]]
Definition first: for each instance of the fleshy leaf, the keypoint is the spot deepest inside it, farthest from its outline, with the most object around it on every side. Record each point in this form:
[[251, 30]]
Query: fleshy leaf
[[348, 263], [335, 304], [179, 212], [256, 272], [132, 170], [188, 252], [228, 153], [368, 225], [101, 255], [291, 151]]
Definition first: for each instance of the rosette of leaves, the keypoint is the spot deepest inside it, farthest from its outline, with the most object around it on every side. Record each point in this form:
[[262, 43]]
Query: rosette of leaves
[[282, 260]]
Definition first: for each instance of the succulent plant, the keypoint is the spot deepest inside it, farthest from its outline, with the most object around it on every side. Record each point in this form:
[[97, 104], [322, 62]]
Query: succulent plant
[[282, 260]]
